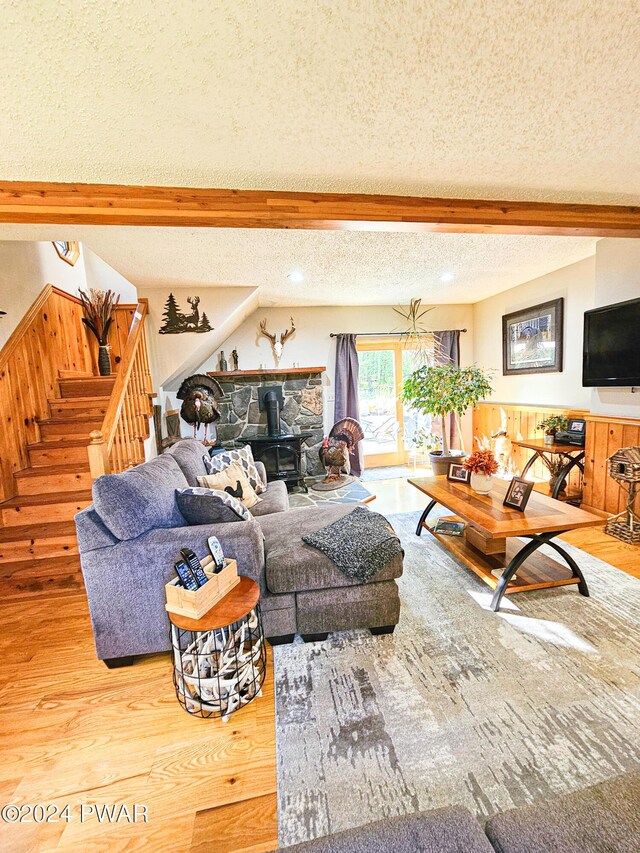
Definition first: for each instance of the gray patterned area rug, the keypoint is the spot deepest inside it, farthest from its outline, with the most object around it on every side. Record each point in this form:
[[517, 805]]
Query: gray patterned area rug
[[353, 492], [460, 705]]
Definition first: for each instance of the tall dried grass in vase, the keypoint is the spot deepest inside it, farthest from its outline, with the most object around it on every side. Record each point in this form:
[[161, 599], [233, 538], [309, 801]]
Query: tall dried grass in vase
[[98, 306]]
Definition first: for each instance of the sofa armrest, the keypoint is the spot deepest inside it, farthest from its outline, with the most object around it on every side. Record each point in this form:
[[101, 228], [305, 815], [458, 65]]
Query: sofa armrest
[[262, 471], [242, 541], [125, 582]]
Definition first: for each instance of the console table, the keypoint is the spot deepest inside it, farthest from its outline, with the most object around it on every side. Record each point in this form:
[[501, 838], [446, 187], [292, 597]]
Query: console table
[[490, 545], [572, 454]]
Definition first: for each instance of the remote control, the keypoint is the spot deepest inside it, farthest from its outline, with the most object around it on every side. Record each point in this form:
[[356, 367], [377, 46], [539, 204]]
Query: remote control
[[194, 564], [215, 549], [186, 576]]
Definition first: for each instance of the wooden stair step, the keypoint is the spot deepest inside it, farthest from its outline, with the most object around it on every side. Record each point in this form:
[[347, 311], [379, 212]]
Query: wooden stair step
[[54, 478], [26, 577], [78, 406], [100, 386], [28, 509], [55, 428], [66, 450], [37, 541]]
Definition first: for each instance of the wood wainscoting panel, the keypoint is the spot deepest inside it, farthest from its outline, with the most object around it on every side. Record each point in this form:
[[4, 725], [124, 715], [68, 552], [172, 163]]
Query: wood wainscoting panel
[[604, 435], [520, 422]]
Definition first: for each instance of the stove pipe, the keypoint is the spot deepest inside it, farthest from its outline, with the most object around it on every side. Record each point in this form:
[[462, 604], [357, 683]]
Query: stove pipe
[[272, 406]]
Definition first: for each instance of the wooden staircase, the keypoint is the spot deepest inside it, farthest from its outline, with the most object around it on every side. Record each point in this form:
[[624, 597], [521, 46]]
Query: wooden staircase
[[38, 547], [93, 425]]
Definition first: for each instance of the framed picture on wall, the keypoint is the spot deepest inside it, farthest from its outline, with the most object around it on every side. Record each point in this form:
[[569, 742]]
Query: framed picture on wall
[[68, 250], [532, 339]]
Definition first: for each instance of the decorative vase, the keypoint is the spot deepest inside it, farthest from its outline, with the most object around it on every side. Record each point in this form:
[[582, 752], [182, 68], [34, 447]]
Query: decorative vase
[[553, 481], [104, 362], [481, 483], [440, 462], [549, 438]]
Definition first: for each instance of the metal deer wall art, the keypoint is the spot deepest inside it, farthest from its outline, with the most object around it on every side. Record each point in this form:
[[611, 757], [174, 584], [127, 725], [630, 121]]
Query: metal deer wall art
[[174, 322], [277, 345]]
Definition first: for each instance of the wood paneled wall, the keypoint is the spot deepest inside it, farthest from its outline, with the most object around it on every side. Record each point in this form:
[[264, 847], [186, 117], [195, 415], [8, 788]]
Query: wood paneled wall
[[603, 437], [49, 338], [520, 422]]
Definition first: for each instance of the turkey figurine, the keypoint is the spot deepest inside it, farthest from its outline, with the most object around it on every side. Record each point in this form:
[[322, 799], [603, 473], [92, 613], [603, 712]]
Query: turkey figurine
[[336, 449], [200, 394]]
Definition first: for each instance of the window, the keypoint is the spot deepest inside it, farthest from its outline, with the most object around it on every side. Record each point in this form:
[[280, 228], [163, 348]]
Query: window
[[390, 426]]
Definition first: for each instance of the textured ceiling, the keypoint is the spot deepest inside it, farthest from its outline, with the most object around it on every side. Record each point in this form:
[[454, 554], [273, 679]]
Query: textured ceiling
[[532, 99], [339, 267]]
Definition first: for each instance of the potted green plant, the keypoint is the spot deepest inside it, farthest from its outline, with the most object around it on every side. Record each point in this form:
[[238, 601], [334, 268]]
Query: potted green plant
[[552, 425], [483, 465], [444, 390]]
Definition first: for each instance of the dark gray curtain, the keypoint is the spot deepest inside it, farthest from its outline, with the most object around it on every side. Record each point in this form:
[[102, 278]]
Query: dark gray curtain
[[447, 351], [346, 402]]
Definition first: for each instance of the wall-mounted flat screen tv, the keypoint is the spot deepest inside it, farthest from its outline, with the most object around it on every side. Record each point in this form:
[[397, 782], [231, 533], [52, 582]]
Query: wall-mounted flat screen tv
[[611, 352]]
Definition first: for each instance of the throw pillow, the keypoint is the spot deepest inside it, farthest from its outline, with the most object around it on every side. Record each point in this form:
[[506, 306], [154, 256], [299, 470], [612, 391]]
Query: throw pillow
[[234, 481], [209, 506], [217, 463], [141, 498]]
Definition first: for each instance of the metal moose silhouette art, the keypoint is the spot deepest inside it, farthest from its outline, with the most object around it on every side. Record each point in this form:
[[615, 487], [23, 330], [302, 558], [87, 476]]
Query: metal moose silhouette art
[[175, 322]]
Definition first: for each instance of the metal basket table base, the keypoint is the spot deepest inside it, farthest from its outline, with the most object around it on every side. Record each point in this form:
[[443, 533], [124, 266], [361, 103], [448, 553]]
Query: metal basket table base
[[216, 672]]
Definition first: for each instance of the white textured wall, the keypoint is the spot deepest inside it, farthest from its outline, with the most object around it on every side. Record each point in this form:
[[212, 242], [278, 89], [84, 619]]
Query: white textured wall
[[173, 357], [103, 277], [576, 283], [617, 279], [25, 268]]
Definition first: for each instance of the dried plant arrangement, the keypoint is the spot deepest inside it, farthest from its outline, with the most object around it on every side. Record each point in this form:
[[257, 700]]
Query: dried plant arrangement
[[98, 306], [415, 336], [481, 462]]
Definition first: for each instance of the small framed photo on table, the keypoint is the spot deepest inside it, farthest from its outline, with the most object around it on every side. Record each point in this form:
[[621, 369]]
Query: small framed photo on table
[[457, 473], [518, 493], [577, 425]]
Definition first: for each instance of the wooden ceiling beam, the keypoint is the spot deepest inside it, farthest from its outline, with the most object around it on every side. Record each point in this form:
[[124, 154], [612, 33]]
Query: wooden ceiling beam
[[107, 204]]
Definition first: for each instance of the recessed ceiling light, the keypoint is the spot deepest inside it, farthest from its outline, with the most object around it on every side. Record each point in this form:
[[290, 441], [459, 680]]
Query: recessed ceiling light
[[447, 276], [296, 277]]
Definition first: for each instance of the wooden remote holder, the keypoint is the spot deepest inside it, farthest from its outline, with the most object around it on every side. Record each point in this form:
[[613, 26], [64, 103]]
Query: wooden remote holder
[[196, 603]]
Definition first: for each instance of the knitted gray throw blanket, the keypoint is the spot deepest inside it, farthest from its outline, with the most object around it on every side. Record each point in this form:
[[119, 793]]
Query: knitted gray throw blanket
[[360, 544]]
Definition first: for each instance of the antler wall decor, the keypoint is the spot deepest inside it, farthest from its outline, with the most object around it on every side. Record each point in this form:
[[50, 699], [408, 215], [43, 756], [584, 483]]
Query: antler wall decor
[[276, 345]]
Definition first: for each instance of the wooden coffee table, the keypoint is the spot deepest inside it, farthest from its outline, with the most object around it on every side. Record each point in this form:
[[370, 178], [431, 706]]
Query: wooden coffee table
[[492, 533]]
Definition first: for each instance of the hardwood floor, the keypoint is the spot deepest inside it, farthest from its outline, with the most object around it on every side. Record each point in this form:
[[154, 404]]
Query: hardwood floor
[[72, 731]]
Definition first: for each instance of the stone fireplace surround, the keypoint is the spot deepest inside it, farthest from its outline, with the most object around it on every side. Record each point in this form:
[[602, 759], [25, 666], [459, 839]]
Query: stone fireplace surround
[[240, 416]]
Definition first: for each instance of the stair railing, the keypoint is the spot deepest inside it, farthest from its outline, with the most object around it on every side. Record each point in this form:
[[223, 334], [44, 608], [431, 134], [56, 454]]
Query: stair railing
[[119, 443]]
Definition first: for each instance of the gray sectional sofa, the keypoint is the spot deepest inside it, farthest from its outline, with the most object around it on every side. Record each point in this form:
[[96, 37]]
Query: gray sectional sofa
[[602, 819], [130, 537]]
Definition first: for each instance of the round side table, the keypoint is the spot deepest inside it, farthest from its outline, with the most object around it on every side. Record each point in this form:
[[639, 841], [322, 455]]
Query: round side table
[[220, 660]]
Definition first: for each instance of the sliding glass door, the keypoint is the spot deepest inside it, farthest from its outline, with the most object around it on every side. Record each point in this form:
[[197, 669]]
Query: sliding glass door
[[389, 426]]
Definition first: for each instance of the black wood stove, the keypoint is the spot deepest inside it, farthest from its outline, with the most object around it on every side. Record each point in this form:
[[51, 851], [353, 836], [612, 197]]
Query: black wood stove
[[280, 453]]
